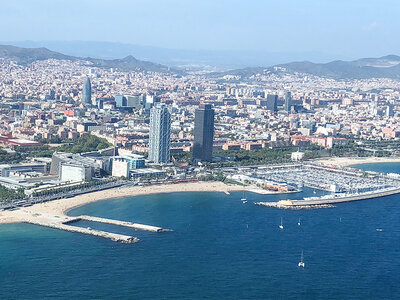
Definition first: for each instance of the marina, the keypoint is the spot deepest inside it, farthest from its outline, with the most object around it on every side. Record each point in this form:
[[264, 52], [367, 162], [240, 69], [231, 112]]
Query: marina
[[342, 184], [328, 200]]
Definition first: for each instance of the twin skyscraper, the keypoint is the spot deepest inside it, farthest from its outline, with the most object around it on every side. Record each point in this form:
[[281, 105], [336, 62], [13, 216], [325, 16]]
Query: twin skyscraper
[[160, 134]]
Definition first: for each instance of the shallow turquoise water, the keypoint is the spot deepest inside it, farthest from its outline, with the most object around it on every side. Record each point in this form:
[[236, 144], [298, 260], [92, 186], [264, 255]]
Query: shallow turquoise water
[[212, 253]]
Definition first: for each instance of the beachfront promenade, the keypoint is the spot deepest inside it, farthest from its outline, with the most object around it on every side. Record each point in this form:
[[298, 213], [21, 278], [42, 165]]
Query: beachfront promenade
[[328, 202], [64, 223]]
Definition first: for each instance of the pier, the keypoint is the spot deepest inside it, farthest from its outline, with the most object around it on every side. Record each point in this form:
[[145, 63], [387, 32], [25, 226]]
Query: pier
[[63, 223], [112, 236], [135, 226], [321, 202]]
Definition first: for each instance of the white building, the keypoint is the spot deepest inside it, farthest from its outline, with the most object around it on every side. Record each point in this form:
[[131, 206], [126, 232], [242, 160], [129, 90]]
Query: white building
[[296, 156], [120, 168], [75, 173]]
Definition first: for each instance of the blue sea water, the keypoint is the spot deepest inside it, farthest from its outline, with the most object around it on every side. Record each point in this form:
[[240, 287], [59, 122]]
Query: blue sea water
[[220, 249]]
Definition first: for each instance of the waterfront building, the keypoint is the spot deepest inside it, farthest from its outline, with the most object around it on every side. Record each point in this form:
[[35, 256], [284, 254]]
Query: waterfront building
[[203, 133], [74, 167], [122, 165], [71, 172], [87, 92], [272, 103], [160, 134]]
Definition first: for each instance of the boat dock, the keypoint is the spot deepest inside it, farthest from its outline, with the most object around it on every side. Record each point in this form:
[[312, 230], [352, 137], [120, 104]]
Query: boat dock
[[63, 223], [320, 202]]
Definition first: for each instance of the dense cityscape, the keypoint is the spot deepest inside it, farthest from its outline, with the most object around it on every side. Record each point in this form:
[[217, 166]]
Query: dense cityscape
[[173, 149], [64, 122]]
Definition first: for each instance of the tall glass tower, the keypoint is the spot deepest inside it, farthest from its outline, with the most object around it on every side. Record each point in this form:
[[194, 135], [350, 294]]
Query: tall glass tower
[[272, 103], [160, 134], [203, 133], [288, 101], [87, 92]]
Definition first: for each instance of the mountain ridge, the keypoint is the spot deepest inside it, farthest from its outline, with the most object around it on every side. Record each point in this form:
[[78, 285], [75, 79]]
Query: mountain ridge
[[387, 66], [25, 56]]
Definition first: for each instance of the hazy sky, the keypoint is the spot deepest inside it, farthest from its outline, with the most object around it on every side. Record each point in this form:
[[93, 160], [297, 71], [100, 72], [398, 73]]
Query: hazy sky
[[342, 27]]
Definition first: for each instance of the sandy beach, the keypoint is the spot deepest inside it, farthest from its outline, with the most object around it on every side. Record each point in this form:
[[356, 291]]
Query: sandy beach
[[348, 161], [60, 207]]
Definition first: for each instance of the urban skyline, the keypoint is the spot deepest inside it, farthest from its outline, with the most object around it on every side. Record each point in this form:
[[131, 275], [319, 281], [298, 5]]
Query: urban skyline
[[194, 154]]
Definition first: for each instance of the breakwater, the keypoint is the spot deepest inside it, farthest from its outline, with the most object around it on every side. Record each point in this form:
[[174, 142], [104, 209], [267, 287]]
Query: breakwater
[[64, 223], [324, 202]]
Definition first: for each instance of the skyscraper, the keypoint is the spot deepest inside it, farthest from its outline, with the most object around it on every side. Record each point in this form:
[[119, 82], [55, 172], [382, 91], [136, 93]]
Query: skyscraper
[[288, 101], [87, 92], [389, 110], [203, 133], [160, 134], [120, 101], [272, 103]]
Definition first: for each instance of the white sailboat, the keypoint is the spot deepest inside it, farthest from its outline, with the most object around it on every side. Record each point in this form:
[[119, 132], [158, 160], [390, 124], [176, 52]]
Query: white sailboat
[[244, 200], [281, 226], [301, 263]]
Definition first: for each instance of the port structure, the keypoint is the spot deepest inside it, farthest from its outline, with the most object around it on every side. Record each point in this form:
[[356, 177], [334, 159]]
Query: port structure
[[64, 223]]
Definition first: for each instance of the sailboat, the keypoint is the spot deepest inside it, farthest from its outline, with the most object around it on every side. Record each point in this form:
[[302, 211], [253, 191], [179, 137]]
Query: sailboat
[[301, 262], [281, 226], [299, 223], [244, 200]]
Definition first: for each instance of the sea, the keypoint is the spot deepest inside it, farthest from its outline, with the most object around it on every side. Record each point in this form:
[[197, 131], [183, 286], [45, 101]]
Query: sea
[[220, 248]]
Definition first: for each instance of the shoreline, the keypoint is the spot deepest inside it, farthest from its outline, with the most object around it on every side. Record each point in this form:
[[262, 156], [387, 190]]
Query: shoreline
[[62, 206], [349, 161]]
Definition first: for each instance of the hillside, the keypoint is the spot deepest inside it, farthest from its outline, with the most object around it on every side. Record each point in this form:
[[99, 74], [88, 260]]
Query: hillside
[[128, 63], [386, 66], [25, 56], [382, 67]]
